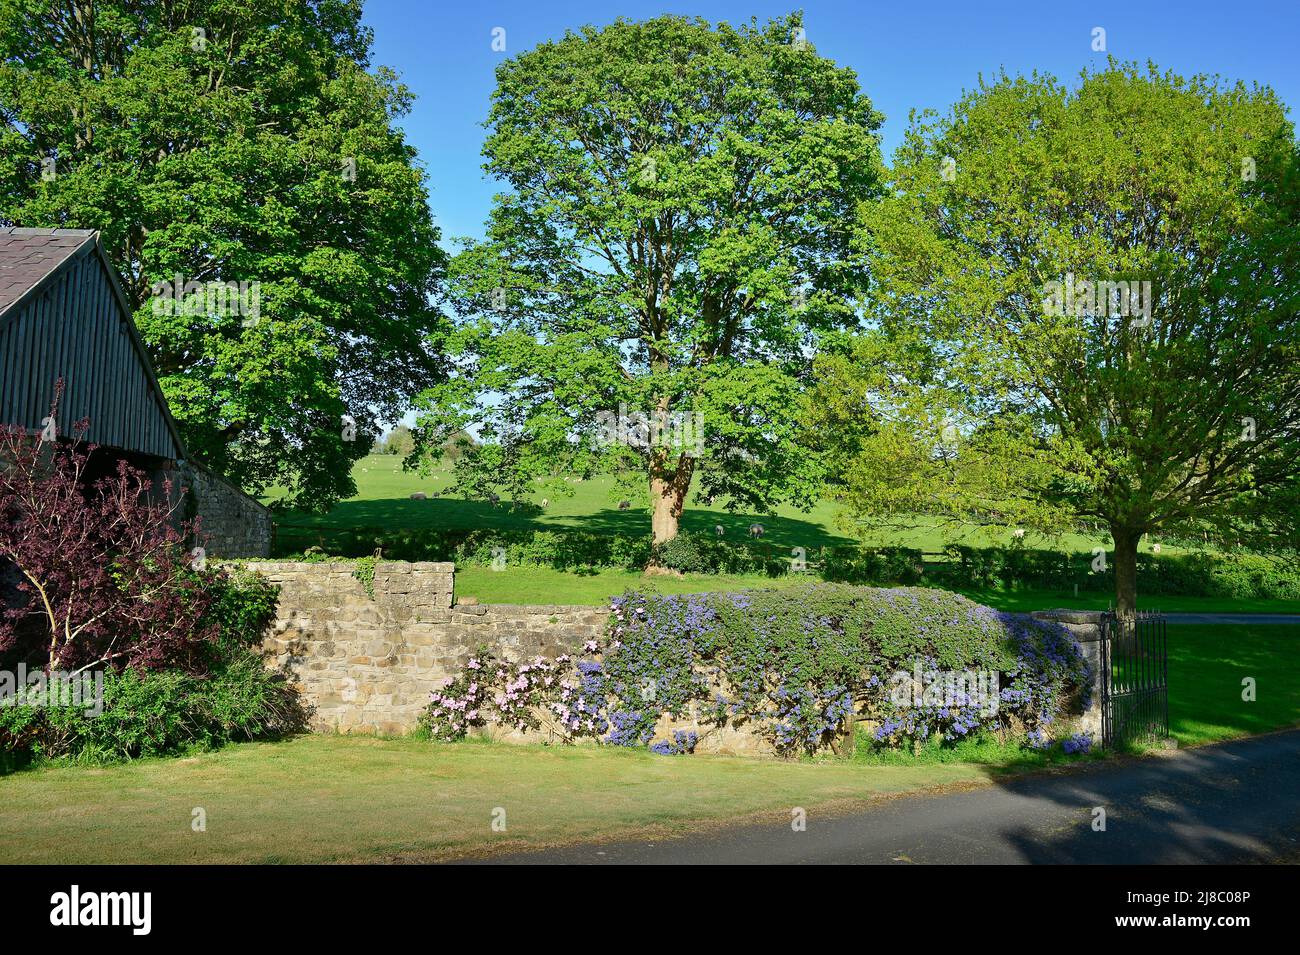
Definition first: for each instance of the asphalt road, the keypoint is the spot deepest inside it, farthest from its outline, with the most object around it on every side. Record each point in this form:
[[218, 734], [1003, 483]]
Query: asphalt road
[[1231, 802]]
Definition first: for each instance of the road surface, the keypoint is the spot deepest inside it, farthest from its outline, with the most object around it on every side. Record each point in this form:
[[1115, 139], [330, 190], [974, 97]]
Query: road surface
[[1231, 802]]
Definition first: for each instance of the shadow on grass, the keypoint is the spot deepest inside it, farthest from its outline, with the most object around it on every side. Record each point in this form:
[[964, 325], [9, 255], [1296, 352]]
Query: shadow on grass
[[446, 513]]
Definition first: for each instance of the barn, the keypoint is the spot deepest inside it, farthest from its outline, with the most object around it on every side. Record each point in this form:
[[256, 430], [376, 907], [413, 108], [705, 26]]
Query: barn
[[63, 316]]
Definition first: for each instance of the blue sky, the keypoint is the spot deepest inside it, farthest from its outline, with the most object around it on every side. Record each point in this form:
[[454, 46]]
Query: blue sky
[[907, 55]]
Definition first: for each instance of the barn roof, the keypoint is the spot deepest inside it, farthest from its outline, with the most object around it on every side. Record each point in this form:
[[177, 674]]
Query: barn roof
[[63, 315]]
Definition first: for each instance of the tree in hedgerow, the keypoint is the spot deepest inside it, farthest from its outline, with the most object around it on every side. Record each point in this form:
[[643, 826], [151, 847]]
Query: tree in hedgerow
[[1089, 300], [237, 143], [673, 239], [103, 579]]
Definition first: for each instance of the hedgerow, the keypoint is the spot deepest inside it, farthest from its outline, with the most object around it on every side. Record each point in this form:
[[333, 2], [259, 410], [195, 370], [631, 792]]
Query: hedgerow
[[1239, 576], [794, 665]]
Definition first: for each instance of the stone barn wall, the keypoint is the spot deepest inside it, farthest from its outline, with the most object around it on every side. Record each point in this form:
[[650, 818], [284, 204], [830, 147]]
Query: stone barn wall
[[234, 524]]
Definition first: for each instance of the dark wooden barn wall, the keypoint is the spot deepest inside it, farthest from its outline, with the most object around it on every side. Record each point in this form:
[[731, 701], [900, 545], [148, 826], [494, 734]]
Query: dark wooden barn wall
[[75, 330]]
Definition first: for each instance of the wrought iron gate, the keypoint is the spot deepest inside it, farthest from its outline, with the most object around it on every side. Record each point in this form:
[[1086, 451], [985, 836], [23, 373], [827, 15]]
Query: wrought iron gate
[[1134, 679]]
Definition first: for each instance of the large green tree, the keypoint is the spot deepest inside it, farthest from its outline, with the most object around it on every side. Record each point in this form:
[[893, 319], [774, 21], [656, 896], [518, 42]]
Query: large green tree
[[1089, 299], [674, 236], [236, 142]]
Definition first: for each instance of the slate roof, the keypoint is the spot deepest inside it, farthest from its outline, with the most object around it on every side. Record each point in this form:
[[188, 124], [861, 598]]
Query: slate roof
[[28, 255]]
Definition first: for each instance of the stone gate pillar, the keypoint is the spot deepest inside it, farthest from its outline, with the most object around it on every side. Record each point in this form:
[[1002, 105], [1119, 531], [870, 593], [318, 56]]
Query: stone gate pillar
[[1085, 626]]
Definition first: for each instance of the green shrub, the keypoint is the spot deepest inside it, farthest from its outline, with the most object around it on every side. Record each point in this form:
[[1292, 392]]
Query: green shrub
[[1242, 576], [243, 608], [160, 712], [795, 663], [172, 711]]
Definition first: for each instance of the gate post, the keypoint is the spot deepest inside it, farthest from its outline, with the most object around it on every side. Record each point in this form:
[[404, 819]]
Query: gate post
[[1086, 627]]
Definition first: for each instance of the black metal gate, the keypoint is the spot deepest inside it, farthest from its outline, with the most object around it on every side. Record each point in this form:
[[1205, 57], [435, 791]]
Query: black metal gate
[[1134, 679]]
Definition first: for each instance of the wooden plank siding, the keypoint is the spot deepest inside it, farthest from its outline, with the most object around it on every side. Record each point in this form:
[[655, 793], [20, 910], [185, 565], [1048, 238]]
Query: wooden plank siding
[[73, 325]]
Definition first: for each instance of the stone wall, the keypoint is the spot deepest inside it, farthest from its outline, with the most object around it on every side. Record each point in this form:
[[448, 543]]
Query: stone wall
[[369, 663], [234, 524], [1085, 625]]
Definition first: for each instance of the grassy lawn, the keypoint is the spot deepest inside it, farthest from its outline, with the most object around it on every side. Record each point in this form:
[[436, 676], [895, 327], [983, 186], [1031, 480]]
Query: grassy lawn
[[1206, 666], [358, 799], [383, 500], [544, 585], [361, 799]]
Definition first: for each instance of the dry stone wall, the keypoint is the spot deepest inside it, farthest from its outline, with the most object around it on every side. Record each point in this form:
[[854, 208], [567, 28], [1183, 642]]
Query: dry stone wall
[[233, 524], [367, 658], [368, 662]]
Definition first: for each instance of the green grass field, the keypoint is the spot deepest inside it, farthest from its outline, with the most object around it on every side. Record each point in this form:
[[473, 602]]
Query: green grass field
[[383, 500], [1207, 664], [543, 585], [362, 799]]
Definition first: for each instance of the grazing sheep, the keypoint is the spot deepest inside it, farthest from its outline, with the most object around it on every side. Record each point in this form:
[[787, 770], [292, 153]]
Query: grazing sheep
[[624, 505], [419, 496], [717, 529], [545, 501], [494, 499], [755, 530], [1018, 533]]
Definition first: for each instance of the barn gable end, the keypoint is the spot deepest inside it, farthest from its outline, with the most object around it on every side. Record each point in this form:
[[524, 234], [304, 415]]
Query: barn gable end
[[63, 316]]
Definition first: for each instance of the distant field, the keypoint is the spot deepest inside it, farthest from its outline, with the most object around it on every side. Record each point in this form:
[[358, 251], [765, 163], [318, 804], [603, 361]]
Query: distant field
[[383, 500], [534, 585]]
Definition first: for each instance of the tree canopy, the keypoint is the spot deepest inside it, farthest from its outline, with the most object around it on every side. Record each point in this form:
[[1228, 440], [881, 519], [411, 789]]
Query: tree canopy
[[674, 237], [237, 143], [1085, 307]]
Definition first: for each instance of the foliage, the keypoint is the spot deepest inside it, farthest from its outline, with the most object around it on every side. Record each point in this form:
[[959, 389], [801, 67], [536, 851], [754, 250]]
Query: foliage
[[1171, 403], [794, 663], [242, 608], [365, 572], [245, 143], [399, 442], [160, 713], [674, 236], [103, 580], [170, 711]]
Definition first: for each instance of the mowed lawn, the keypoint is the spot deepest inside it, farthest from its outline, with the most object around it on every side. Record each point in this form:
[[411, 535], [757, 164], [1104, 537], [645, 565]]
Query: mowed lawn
[[1207, 664], [384, 490], [358, 799], [383, 501], [362, 799], [543, 585]]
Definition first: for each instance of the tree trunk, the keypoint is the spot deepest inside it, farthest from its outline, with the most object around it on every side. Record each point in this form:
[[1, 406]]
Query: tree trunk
[[668, 489], [666, 512], [1126, 546]]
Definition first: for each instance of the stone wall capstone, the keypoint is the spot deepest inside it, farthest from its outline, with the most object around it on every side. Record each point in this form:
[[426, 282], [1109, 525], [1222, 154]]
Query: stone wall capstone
[[368, 664]]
